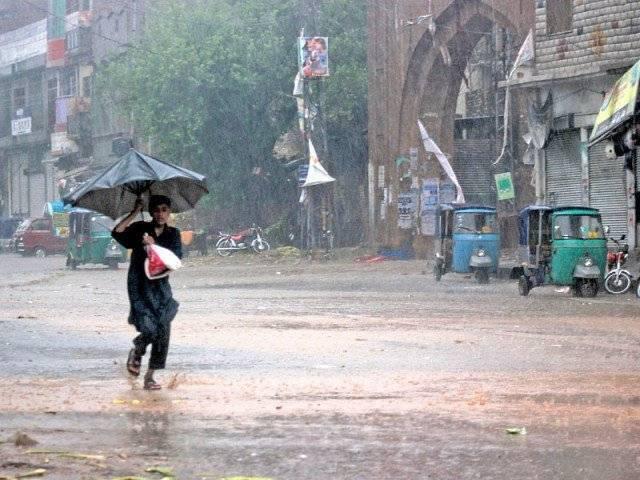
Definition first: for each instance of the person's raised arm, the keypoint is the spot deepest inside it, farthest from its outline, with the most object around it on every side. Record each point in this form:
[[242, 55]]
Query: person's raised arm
[[126, 221]]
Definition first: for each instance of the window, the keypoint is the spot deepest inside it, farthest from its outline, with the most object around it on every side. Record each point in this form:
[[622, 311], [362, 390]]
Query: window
[[19, 98], [467, 222], [72, 39], [40, 224], [577, 226], [86, 86], [559, 16], [72, 6], [69, 83], [52, 94]]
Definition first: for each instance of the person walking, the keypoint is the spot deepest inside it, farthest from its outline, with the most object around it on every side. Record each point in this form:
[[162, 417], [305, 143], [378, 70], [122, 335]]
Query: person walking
[[152, 306]]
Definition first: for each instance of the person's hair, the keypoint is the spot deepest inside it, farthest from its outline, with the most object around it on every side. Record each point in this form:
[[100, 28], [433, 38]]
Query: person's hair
[[155, 200], [321, 41]]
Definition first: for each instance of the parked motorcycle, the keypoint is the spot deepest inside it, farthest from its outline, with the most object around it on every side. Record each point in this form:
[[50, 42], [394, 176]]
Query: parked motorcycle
[[250, 238], [618, 280]]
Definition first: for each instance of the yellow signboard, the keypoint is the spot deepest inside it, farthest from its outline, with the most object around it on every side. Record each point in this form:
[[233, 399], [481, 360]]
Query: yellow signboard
[[619, 104]]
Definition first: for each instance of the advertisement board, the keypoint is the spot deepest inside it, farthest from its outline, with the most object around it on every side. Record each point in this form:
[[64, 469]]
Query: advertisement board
[[619, 104], [313, 56]]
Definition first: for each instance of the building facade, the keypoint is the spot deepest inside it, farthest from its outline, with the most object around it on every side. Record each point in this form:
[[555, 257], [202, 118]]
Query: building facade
[[53, 132], [419, 60], [581, 49]]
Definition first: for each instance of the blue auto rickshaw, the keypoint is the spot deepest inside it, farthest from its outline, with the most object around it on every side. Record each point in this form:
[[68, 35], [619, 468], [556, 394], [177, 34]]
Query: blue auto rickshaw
[[468, 241]]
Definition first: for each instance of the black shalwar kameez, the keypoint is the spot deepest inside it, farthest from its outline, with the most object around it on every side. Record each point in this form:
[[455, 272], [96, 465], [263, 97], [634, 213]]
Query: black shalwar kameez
[[152, 304]]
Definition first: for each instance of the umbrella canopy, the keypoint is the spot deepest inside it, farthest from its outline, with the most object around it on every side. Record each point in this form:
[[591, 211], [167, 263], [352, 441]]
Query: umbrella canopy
[[115, 190]]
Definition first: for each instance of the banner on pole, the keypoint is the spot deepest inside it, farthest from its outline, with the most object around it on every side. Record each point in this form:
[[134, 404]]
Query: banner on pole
[[504, 185], [313, 56]]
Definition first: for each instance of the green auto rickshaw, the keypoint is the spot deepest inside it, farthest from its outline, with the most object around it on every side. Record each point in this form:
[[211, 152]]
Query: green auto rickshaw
[[90, 240], [562, 246]]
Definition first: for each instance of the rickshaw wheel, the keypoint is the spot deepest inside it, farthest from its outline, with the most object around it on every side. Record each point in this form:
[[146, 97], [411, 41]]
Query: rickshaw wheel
[[72, 263], [523, 286], [586, 288], [113, 264], [482, 275], [437, 272]]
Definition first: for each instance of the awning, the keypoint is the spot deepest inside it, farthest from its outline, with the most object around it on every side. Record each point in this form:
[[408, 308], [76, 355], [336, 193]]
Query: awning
[[618, 106]]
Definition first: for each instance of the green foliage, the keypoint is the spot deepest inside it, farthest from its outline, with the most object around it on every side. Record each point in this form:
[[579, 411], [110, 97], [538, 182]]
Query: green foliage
[[210, 83]]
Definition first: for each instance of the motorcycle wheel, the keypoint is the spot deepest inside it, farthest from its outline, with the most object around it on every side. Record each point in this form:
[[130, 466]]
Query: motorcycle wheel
[[260, 246], [482, 275], [226, 243], [619, 285]]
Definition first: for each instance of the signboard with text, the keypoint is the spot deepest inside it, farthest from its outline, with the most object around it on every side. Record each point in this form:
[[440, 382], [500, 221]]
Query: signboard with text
[[20, 126]]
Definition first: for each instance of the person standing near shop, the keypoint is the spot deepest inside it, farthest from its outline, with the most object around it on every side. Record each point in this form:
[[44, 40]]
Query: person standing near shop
[[152, 306]]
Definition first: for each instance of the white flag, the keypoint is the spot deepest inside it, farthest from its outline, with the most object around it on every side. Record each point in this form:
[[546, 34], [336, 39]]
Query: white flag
[[430, 146], [525, 53], [317, 175]]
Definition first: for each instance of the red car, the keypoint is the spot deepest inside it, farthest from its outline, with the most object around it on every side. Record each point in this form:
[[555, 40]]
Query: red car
[[35, 236]]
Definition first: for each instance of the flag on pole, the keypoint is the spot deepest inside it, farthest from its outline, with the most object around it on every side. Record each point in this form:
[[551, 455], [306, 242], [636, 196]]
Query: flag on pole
[[525, 54], [317, 175], [431, 147]]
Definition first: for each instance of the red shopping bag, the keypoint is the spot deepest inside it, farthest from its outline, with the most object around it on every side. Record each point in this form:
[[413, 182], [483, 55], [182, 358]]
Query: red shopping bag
[[160, 262]]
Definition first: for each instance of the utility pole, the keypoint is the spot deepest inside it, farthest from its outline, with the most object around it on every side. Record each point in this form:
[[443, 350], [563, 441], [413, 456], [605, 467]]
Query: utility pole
[[317, 196]]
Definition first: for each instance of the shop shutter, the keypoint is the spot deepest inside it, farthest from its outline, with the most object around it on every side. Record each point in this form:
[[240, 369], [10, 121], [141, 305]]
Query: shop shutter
[[19, 185], [607, 189], [563, 170], [472, 165], [37, 197]]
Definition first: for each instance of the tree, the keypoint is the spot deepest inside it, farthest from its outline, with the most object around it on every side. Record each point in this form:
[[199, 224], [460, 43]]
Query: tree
[[210, 82]]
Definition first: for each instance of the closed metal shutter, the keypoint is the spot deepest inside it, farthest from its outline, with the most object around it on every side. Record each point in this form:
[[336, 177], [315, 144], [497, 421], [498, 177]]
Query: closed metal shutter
[[472, 165], [37, 197], [563, 170], [607, 189], [19, 186]]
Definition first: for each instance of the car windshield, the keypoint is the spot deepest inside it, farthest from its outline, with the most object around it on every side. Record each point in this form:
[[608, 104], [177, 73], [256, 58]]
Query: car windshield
[[577, 226], [475, 222], [23, 225]]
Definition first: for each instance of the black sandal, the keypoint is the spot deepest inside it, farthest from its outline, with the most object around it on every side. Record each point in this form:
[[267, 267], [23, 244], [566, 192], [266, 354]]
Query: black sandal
[[133, 363], [150, 384]]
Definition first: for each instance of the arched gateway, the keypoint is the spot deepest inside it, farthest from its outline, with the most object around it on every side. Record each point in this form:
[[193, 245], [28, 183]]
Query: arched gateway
[[418, 51]]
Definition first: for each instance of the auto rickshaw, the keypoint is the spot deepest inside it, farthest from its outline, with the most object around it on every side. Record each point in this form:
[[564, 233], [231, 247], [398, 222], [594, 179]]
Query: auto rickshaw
[[562, 246], [468, 241], [90, 240]]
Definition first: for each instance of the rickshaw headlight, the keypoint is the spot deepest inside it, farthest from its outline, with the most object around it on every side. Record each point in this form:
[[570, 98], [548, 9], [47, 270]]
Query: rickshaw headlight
[[588, 262], [481, 252]]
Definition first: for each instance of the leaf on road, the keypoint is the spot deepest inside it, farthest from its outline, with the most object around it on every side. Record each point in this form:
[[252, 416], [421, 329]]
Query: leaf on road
[[246, 478], [130, 478], [516, 431], [82, 456], [166, 471], [38, 472]]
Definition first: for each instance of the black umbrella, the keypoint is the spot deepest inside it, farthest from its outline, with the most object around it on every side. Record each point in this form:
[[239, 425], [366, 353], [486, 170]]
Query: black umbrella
[[115, 190]]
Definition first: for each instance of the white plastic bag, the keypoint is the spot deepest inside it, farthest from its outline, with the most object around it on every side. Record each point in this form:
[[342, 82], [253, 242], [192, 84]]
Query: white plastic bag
[[160, 262]]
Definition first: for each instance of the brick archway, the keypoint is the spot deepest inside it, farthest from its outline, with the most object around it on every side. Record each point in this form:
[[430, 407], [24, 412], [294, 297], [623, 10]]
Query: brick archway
[[419, 82]]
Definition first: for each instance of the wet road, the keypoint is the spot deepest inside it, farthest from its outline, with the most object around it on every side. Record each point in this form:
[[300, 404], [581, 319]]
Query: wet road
[[294, 370]]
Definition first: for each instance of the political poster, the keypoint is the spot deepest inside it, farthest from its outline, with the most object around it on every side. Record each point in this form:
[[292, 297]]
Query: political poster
[[313, 56]]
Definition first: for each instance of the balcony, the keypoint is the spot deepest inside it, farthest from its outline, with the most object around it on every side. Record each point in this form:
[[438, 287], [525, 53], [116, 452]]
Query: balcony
[[79, 127], [69, 106], [78, 41]]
